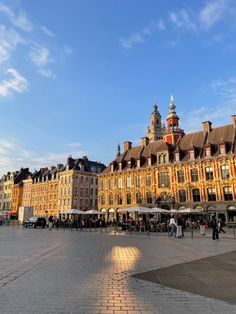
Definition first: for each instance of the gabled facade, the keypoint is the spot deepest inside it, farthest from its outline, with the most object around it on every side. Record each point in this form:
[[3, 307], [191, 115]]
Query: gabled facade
[[178, 171]]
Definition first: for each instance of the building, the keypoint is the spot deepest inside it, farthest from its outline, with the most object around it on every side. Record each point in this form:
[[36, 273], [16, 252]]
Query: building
[[78, 184], [51, 191], [17, 189], [171, 169]]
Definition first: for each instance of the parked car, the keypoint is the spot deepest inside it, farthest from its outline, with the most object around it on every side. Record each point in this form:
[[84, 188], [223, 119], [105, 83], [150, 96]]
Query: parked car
[[35, 222]]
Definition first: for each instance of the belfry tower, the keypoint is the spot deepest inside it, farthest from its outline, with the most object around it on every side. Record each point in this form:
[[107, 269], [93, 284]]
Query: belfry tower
[[155, 130], [172, 133]]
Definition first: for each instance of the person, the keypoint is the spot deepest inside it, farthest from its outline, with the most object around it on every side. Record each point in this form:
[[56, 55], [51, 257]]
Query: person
[[220, 228], [57, 223], [180, 229], [172, 226], [215, 233], [202, 225], [50, 222]]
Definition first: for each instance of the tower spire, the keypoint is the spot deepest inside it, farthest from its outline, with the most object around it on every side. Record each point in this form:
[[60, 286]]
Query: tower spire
[[118, 151], [155, 126]]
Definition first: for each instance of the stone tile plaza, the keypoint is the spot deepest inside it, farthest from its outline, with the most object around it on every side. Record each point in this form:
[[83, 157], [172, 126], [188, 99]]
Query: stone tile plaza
[[68, 271]]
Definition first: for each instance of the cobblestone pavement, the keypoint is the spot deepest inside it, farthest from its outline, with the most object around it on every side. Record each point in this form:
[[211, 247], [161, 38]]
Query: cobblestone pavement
[[61, 271]]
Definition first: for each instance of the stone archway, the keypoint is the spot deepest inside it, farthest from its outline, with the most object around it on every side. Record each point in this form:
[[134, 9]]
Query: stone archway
[[165, 200]]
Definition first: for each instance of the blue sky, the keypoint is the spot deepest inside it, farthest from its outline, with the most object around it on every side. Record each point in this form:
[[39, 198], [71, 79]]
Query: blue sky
[[77, 77]]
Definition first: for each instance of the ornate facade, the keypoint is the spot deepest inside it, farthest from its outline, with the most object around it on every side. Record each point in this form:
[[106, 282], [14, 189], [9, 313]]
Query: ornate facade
[[171, 169]]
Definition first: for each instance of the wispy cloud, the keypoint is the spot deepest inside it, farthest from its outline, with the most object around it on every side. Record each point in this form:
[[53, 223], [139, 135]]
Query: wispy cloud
[[47, 31], [17, 83], [139, 37], [213, 12], [182, 19], [19, 20], [219, 114], [9, 39], [68, 50], [13, 156], [40, 57]]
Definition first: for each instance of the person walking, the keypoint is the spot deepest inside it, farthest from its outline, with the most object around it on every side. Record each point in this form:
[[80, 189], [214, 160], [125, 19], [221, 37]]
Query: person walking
[[50, 222], [215, 233], [180, 229], [202, 225], [220, 227], [172, 226]]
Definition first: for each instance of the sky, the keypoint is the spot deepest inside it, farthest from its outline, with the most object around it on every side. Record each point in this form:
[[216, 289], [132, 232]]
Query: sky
[[78, 77]]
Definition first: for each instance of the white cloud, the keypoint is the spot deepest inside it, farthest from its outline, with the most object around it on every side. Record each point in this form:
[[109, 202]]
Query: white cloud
[[182, 19], [219, 114], [40, 57], [47, 31], [140, 36], [17, 83], [9, 39], [213, 12], [14, 156], [19, 20]]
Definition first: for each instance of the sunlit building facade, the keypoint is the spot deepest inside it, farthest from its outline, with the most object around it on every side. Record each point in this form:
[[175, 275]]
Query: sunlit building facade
[[171, 169]]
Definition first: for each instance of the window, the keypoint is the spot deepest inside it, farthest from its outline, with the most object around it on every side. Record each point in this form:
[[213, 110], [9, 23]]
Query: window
[[128, 182], [103, 184], [128, 198], [138, 198], [209, 173], [149, 197], [208, 151], [129, 164], [119, 199], [211, 193], [180, 174], [182, 195], [110, 199], [91, 180], [149, 161], [138, 181], [81, 180], [111, 184], [177, 157], [120, 166], [194, 174], [102, 199], [196, 195], [112, 167], [138, 163], [148, 180], [222, 149], [119, 183], [224, 171], [163, 180], [228, 195], [191, 155]]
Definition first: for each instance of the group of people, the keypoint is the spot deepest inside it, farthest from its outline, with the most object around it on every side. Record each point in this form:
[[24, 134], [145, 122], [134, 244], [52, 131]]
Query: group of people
[[177, 226]]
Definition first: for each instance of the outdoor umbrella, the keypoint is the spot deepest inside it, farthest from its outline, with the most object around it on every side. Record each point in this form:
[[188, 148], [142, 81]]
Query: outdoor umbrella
[[132, 209], [92, 212], [73, 212]]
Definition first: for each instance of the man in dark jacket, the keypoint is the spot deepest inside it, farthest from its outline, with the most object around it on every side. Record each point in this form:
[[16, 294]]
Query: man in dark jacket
[[215, 233]]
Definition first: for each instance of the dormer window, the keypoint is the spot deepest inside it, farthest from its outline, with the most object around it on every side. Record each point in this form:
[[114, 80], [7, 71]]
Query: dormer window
[[129, 164], [177, 157], [208, 151], [191, 154], [222, 149], [149, 161], [138, 163], [120, 166], [112, 167]]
